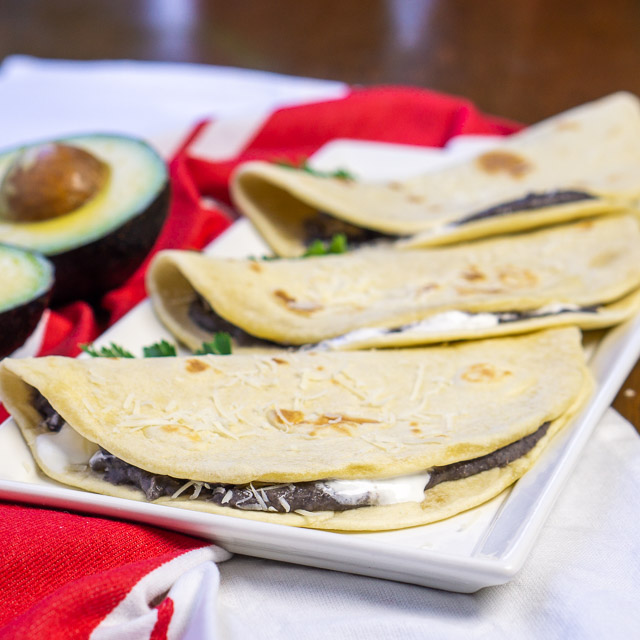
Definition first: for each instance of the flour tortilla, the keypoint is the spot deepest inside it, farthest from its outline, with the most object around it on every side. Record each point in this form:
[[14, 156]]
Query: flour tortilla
[[218, 418], [594, 148], [302, 301]]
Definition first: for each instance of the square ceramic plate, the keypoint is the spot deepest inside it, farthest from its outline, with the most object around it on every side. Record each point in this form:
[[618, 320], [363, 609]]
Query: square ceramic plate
[[482, 547]]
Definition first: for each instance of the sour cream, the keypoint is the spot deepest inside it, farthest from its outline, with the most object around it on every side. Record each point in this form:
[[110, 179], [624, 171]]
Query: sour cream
[[443, 322], [62, 449], [407, 488], [437, 323]]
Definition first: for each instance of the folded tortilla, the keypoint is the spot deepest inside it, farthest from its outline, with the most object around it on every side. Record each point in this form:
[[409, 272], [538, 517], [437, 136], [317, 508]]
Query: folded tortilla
[[585, 273], [276, 438], [583, 162]]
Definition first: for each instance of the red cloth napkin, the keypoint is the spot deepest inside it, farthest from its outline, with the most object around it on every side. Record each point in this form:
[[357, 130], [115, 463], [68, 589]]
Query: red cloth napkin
[[61, 573]]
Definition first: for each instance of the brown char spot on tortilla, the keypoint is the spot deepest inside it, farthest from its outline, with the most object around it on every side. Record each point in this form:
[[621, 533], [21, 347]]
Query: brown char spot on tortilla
[[472, 274], [284, 296], [182, 430], [504, 162], [337, 418], [327, 428], [484, 372], [294, 305], [472, 291], [256, 266], [604, 258], [196, 366], [517, 277], [280, 361], [426, 288], [292, 416]]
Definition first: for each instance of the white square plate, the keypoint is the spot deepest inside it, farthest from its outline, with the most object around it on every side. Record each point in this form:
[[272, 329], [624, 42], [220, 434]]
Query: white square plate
[[482, 547]]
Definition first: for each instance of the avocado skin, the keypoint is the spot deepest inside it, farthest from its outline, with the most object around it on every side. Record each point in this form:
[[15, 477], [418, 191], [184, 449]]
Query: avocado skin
[[90, 270], [18, 323]]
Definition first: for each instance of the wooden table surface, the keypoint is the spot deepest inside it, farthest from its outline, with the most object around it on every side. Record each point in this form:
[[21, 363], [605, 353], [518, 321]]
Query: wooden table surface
[[523, 60]]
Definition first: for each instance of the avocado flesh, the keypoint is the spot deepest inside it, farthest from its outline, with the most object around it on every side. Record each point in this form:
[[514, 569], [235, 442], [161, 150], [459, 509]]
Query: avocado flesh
[[88, 257], [25, 289]]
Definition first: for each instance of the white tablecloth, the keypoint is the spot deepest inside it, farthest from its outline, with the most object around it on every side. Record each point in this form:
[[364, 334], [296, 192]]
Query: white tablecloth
[[582, 579]]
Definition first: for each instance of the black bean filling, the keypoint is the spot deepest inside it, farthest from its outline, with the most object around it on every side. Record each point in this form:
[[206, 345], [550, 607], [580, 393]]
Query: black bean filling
[[51, 419], [201, 314], [323, 226], [530, 202], [499, 458], [310, 496], [281, 498], [513, 316]]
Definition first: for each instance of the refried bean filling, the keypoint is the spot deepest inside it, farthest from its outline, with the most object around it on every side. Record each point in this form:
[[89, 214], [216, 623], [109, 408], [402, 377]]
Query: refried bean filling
[[323, 226], [283, 497], [202, 315], [530, 202]]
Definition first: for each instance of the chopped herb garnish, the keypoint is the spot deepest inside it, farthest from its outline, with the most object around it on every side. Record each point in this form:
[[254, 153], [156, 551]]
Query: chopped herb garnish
[[160, 349], [337, 244], [219, 346], [114, 351], [340, 174], [316, 248]]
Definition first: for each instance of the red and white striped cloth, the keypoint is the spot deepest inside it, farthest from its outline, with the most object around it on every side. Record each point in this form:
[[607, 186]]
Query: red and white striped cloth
[[70, 576]]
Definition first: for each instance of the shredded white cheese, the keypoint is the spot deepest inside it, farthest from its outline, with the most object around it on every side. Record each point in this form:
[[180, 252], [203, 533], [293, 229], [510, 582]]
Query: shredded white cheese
[[418, 383], [258, 497], [182, 489], [343, 381], [196, 491], [285, 505], [128, 401]]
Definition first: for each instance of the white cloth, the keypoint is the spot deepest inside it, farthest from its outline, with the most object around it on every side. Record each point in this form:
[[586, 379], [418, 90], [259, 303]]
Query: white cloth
[[51, 98], [582, 579]]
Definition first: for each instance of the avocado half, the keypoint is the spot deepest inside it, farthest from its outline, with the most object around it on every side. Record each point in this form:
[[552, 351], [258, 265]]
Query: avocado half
[[97, 245], [26, 284]]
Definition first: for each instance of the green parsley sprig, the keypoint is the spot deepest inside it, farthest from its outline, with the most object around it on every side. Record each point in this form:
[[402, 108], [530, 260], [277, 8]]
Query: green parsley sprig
[[113, 351], [162, 349], [340, 174], [220, 345]]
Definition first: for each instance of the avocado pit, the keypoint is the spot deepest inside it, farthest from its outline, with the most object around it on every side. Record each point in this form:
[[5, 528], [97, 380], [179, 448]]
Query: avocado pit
[[50, 180]]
